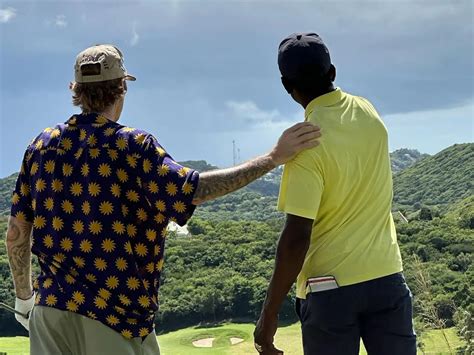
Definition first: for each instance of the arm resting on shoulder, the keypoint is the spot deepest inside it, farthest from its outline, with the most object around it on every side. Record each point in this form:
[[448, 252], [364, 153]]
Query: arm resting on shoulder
[[217, 183], [213, 184]]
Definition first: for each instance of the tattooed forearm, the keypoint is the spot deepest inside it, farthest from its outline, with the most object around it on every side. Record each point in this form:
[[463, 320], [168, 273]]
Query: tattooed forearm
[[217, 183], [18, 243]]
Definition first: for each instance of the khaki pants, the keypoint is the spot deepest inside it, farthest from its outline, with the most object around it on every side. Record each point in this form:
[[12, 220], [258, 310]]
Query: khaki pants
[[53, 331]]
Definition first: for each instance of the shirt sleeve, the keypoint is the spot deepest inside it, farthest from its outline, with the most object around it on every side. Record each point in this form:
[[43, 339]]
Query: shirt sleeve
[[21, 197], [301, 187], [168, 186]]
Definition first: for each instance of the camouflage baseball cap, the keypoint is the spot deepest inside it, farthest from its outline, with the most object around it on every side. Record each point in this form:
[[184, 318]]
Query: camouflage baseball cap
[[101, 62]]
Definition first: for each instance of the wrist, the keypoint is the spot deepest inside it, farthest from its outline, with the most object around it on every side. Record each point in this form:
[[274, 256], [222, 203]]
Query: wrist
[[25, 296], [273, 159]]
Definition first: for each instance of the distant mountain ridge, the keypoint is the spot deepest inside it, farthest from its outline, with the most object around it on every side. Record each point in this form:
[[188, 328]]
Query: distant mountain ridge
[[404, 158], [408, 166]]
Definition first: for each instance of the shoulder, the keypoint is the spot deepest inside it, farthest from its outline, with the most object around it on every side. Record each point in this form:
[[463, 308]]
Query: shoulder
[[357, 100], [377, 127], [307, 160], [132, 133], [136, 139], [134, 136], [365, 104], [46, 137]]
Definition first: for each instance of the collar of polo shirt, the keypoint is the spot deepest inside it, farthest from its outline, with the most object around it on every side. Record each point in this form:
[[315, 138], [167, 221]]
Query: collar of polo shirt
[[324, 100]]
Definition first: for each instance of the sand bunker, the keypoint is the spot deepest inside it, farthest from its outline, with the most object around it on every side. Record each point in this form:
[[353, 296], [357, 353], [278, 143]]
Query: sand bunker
[[203, 343], [234, 341]]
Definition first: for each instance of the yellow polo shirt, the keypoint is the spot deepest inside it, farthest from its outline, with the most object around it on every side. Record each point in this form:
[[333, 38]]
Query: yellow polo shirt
[[345, 185]]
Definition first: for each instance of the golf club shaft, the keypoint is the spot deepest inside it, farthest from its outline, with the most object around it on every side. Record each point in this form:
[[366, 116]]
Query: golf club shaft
[[13, 310]]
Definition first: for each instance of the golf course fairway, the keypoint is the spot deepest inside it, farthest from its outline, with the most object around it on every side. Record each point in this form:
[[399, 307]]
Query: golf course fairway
[[288, 338]]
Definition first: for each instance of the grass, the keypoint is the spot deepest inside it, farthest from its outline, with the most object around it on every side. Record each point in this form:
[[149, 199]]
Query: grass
[[14, 345], [435, 344], [287, 338]]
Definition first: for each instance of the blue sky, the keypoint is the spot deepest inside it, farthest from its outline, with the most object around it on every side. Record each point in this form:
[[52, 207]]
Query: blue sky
[[207, 70]]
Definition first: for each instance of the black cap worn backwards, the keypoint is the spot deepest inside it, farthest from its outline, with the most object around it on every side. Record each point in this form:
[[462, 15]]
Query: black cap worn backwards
[[303, 54]]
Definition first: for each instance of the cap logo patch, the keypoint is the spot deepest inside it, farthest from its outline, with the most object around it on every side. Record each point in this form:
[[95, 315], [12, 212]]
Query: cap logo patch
[[90, 69]]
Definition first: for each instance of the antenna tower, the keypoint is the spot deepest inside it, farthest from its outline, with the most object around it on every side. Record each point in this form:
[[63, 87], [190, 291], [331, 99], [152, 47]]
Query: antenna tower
[[233, 151]]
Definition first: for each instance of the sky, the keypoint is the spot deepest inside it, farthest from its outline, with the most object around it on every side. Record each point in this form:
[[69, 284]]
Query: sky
[[207, 72]]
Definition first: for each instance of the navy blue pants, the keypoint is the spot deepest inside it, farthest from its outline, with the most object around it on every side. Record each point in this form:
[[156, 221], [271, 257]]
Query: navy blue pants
[[379, 311]]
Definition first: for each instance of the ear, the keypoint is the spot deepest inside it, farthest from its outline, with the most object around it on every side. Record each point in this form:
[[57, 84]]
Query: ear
[[332, 73], [287, 85]]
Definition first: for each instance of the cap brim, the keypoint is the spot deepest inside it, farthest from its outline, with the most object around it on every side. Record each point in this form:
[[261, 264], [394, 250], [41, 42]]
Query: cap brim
[[129, 77]]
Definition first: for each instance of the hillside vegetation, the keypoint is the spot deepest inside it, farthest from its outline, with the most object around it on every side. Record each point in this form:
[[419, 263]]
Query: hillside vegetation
[[221, 272], [439, 180], [7, 185], [267, 185]]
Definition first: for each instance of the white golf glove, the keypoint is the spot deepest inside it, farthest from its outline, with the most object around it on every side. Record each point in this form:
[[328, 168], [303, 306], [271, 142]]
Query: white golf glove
[[25, 307]]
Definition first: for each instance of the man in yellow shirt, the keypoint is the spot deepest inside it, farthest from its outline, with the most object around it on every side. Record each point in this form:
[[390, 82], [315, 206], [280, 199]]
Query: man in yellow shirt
[[339, 241]]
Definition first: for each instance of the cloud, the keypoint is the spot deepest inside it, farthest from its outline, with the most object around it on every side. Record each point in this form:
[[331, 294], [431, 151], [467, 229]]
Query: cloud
[[455, 114], [249, 116], [250, 112], [7, 14], [432, 130], [60, 21], [135, 36]]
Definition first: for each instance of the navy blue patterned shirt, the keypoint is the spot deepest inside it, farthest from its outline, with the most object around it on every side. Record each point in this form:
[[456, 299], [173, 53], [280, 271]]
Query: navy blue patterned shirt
[[100, 196]]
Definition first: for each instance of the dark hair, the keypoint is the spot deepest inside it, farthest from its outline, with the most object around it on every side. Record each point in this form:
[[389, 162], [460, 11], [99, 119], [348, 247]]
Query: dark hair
[[309, 81], [97, 96]]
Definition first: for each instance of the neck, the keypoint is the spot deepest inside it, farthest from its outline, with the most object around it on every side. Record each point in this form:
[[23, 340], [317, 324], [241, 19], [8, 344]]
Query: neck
[[110, 113], [306, 99]]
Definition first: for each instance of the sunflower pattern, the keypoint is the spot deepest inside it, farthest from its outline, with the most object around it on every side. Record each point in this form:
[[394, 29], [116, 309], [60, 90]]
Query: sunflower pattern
[[100, 196]]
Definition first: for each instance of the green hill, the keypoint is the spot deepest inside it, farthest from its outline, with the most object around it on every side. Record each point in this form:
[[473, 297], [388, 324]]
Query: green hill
[[6, 188], [439, 180], [258, 200], [267, 187]]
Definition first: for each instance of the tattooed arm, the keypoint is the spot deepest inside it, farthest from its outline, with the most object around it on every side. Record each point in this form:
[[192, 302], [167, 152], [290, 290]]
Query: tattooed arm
[[18, 243], [217, 183]]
